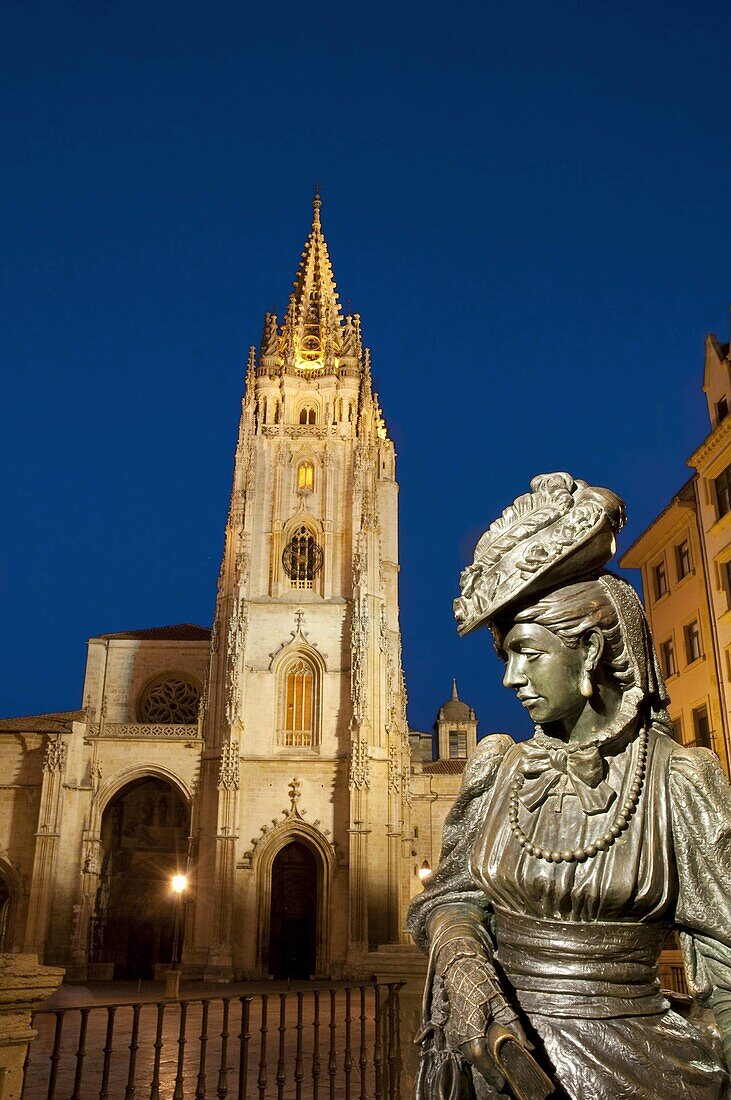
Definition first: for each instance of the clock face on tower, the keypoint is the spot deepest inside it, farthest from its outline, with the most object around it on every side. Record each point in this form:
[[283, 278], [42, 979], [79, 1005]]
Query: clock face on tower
[[309, 352], [302, 558]]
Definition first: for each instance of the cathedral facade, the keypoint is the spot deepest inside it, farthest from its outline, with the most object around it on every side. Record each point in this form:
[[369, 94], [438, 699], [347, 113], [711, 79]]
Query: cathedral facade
[[266, 762]]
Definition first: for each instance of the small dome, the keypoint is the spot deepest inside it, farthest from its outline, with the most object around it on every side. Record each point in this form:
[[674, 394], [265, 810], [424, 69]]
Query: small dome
[[454, 709]]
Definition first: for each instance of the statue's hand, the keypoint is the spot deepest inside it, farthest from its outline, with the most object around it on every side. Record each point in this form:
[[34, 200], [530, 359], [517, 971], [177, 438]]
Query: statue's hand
[[477, 1053], [475, 1001]]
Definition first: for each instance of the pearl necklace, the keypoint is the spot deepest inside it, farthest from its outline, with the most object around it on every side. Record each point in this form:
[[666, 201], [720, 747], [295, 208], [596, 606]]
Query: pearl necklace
[[608, 837]]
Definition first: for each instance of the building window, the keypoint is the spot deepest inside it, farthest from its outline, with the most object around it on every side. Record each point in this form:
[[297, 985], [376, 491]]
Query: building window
[[299, 705], [660, 579], [682, 559], [692, 634], [724, 576], [306, 476], [169, 700], [701, 728], [722, 485], [667, 658], [721, 409], [302, 558], [307, 415], [457, 745], [678, 730]]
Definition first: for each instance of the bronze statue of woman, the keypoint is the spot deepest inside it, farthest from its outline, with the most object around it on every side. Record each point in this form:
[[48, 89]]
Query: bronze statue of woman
[[568, 858]]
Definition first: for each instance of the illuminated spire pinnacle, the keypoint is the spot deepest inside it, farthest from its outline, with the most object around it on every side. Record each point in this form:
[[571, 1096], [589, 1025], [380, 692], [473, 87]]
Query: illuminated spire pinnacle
[[313, 326], [316, 207]]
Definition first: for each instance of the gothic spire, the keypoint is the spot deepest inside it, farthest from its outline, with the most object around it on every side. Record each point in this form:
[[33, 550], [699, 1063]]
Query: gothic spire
[[313, 326]]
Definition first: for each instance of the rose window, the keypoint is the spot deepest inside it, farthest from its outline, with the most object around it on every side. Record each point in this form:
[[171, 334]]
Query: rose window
[[170, 700]]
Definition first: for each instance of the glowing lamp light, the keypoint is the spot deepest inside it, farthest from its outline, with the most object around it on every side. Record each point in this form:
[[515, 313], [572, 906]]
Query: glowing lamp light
[[179, 883], [424, 872]]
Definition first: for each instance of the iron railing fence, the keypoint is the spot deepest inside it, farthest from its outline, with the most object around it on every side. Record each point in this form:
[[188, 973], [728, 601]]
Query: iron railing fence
[[334, 1042]]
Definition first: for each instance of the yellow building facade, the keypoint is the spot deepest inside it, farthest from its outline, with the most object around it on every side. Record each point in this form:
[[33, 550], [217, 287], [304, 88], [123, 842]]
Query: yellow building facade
[[685, 559]]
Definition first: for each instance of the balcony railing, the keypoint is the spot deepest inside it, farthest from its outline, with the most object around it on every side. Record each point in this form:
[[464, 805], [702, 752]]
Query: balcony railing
[[339, 1041], [158, 730], [319, 431]]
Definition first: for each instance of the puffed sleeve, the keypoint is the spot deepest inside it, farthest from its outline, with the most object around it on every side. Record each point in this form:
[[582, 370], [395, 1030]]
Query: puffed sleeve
[[701, 819], [451, 883]]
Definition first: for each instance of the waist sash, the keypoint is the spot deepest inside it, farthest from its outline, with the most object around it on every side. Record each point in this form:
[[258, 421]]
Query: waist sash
[[590, 970]]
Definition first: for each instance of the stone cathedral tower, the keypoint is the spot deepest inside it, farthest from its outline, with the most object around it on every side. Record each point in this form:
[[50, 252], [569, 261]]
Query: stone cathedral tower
[[303, 817]]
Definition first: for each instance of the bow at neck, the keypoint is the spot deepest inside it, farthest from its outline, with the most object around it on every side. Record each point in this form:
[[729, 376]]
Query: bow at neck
[[546, 763]]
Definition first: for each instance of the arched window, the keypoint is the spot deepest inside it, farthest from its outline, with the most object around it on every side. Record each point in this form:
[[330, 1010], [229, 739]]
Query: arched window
[[306, 476], [299, 705], [307, 415], [302, 558]]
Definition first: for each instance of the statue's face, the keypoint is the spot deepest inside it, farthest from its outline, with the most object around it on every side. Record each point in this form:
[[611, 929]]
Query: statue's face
[[544, 673]]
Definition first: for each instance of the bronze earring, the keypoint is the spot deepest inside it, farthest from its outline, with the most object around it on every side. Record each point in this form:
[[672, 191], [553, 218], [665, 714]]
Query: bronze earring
[[585, 685]]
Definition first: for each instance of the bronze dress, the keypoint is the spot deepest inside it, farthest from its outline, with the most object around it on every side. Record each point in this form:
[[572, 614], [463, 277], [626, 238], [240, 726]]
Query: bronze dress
[[576, 943]]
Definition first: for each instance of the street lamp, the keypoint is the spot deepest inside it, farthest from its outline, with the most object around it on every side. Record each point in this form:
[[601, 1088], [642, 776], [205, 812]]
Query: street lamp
[[179, 884]]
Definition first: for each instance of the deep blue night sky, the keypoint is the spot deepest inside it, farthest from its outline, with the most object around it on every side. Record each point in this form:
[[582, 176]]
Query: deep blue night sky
[[527, 203]]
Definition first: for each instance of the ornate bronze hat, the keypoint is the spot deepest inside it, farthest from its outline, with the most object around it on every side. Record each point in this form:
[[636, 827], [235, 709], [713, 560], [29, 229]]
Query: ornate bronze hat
[[560, 531]]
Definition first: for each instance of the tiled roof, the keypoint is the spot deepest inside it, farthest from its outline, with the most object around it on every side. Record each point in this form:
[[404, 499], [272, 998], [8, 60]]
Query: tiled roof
[[57, 722], [444, 767], [179, 632]]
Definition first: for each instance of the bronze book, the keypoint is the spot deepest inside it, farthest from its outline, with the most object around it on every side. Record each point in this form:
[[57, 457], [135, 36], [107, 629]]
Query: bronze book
[[518, 1066]]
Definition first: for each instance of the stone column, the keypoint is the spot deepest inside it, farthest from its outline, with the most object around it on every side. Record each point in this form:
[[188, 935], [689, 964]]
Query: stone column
[[47, 841], [24, 985], [220, 957]]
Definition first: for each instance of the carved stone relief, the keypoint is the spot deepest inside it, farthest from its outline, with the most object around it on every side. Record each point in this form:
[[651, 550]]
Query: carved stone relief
[[394, 768], [360, 765], [229, 771], [55, 758], [360, 629], [383, 632], [91, 864], [235, 644], [287, 818], [297, 637], [359, 560]]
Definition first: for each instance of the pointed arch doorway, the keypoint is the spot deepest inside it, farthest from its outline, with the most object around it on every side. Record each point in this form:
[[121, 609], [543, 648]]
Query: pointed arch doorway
[[144, 841], [293, 918]]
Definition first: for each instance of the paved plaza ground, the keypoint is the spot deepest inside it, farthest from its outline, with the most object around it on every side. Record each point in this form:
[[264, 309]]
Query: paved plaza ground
[[311, 1040]]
